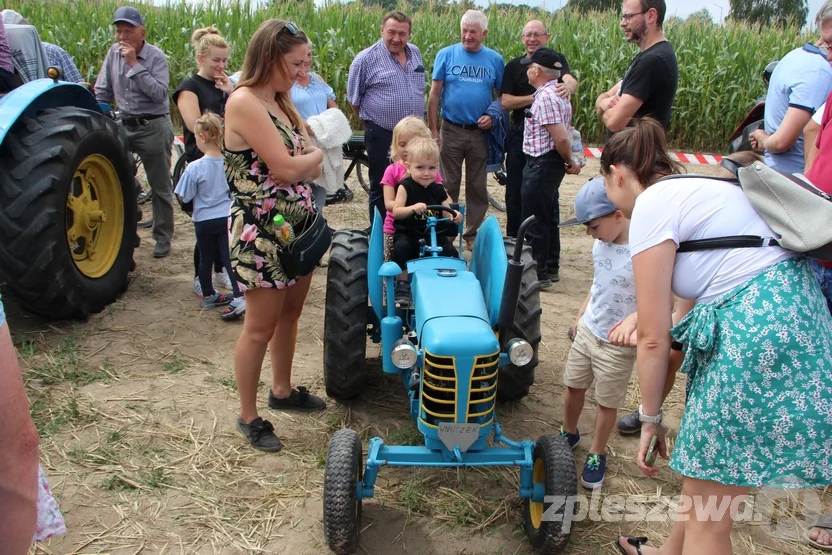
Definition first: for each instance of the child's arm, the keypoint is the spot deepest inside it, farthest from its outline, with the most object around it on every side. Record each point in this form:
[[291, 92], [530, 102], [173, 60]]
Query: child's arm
[[187, 186], [581, 314], [447, 204], [388, 187], [400, 211]]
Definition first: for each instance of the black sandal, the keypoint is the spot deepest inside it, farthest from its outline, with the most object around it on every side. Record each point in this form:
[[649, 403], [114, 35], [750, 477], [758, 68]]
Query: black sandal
[[299, 399], [636, 542]]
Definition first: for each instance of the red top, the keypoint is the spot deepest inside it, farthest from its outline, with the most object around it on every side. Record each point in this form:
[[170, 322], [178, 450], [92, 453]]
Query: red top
[[821, 172]]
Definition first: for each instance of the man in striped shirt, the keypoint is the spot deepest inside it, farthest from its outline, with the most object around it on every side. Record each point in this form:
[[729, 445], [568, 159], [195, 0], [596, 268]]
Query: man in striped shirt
[[6, 62], [386, 83], [548, 152]]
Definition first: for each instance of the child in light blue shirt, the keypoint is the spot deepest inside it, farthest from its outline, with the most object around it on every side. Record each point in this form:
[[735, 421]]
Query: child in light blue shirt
[[204, 183]]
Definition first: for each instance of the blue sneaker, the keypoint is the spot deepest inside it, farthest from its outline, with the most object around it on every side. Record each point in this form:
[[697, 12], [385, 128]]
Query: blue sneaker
[[572, 439], [594, 469]]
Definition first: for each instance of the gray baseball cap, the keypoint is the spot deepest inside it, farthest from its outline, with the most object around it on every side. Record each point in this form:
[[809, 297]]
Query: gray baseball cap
[[592, 202], [128, 14]]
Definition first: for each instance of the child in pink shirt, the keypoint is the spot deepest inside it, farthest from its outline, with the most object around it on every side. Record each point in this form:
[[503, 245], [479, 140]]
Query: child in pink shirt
[[405, 131]]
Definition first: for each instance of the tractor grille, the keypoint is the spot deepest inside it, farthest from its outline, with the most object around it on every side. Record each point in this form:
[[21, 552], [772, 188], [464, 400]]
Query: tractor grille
[[439, 390]]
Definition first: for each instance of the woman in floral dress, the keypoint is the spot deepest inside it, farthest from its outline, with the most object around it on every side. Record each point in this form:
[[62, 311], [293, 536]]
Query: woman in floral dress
[[269, 163], [757, 341]]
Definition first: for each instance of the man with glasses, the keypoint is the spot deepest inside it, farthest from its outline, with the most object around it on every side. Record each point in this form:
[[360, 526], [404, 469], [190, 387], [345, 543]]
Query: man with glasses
[[386, 83], [798, 86], [649, 84], [517, 95]]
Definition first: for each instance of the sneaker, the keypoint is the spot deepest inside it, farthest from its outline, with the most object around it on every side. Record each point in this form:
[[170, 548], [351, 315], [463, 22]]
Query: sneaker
[[222, 280], [260, 434], [594, 469], [572, 439], [403, 294], [197, 287], [545, 283], [629, 424], [300, 399], [215, 300], [554, 277], [235, 310]]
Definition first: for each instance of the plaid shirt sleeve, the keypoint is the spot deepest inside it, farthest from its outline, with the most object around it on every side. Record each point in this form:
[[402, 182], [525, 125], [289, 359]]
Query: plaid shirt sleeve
[[551, 109], [60, 58], [355, 80]]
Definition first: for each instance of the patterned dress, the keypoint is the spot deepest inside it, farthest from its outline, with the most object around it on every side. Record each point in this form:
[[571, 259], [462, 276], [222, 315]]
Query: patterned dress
[[253, 256], [759, 367]]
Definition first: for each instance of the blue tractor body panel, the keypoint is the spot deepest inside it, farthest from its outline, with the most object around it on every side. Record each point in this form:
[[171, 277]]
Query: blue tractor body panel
[[42, 94], [375, 258], [489, 264]]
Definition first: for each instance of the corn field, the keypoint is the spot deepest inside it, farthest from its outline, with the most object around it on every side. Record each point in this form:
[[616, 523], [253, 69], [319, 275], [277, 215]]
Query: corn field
[[720, 67]]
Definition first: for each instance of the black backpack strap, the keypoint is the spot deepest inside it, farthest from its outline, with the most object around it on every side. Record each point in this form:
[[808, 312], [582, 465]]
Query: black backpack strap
[[732, 242], [732, 166]]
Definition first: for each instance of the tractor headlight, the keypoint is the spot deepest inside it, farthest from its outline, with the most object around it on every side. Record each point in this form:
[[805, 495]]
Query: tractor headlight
[[404, 354], [520, 353]]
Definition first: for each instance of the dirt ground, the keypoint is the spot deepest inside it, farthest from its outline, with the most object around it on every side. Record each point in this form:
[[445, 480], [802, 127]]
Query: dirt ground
[[136, 409]]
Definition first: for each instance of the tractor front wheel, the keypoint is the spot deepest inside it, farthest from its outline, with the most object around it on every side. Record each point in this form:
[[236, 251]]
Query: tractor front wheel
[[345, 315], [342, 505], [67, 212], [514, 381], [554, 467]]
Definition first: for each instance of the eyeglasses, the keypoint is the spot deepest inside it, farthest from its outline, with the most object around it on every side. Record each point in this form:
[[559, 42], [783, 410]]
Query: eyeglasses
[[628, 16], [533, 35], [288, 26]]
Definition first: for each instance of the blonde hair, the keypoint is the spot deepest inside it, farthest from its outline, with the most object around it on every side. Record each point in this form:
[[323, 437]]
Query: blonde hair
[[210, 125], [265, 51], [423, 149], [203, 40], [412, 126]]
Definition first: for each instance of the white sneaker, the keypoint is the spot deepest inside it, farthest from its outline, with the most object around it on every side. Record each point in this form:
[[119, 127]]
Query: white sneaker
[[197, 287], [222, 280], [235, 310]]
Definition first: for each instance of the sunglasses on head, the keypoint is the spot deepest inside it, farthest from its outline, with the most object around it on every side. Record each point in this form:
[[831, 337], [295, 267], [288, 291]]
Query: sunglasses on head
[[288, 26]]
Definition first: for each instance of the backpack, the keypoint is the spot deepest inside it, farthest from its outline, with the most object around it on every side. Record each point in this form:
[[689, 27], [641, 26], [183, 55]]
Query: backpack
[[799, 213]]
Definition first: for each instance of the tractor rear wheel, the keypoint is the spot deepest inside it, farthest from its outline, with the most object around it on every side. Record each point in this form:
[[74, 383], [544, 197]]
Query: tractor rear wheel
[[67, 212], [342, 506], [345, 315], [554, 466], [514, 382]]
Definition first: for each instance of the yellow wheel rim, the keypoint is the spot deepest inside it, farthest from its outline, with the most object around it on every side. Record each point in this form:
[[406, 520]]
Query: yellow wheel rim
[[536, 509], [94, 216]]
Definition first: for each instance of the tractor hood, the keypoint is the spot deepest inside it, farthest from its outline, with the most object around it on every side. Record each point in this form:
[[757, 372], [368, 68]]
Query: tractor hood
[[451, 313]]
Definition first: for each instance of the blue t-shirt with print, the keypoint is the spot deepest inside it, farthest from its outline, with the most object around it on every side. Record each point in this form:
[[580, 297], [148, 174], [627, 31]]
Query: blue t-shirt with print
[[469, 78], [803, 80]]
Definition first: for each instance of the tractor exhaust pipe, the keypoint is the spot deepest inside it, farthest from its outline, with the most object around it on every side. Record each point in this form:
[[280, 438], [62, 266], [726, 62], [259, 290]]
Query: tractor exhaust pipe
[[511, 287]]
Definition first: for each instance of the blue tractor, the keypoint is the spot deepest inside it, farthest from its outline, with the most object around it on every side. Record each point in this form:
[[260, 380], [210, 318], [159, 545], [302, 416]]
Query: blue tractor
[[468, 338], [67, 200]]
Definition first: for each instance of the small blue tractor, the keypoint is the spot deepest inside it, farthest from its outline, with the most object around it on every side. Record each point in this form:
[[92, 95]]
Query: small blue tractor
[[67, 200], [468, 338]]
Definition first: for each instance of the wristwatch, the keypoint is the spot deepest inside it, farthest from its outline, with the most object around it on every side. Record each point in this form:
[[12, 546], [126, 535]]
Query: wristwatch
[[650, 419]]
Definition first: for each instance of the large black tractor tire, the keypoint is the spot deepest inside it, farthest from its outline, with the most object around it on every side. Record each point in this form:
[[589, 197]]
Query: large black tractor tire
[[345, 315], [514, 382], [67, 212], [342, 508], [554, 465]]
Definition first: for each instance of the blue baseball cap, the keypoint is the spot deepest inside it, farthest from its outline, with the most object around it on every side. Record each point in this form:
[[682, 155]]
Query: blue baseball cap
[[592, 202]]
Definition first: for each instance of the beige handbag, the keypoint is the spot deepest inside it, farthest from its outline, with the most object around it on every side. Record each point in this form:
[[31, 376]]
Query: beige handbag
[[799, 213]]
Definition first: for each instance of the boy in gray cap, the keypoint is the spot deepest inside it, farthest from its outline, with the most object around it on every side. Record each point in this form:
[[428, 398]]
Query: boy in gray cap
[[592, 357]]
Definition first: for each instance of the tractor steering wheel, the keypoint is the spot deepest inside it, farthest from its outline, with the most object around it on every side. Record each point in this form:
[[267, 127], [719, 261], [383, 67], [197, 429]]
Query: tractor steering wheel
[[442, 208]]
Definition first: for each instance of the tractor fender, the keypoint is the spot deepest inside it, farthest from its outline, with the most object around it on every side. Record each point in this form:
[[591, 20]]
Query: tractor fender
[[42, 94]]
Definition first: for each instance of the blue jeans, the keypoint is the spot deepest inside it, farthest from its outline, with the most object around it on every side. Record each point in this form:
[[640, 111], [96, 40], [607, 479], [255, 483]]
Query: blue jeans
[[824, 276]]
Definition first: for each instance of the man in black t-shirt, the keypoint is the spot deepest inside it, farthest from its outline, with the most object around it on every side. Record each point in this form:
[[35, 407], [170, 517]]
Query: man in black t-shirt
[[517, 96], [649, 84]]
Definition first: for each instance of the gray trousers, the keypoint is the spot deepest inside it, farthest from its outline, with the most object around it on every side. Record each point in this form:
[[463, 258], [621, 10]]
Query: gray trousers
[[153, 143], [472, 146]]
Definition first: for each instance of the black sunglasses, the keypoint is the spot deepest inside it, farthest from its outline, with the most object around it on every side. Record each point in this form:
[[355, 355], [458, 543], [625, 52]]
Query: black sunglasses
[[288, 26]]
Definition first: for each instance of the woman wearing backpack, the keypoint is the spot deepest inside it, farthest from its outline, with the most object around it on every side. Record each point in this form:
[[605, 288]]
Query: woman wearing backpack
[[756, 334]]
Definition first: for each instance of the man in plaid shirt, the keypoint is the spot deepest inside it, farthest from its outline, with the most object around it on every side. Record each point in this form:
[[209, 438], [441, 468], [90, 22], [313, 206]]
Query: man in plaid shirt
[[548, 151]]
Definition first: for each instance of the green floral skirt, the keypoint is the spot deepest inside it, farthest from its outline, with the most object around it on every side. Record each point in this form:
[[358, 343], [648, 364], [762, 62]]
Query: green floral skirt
[[759, 367]]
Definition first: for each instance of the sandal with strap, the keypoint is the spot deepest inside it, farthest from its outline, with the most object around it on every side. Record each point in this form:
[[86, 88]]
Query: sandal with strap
[[824, 522], [299, 399], [636, 542]]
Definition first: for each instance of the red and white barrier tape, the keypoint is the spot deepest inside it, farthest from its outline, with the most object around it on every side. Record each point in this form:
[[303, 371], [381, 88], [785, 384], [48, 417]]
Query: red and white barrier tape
[[683, 157]]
